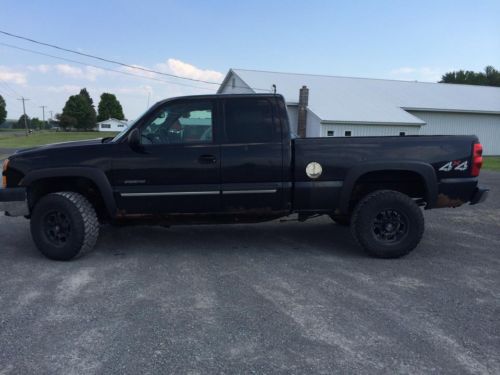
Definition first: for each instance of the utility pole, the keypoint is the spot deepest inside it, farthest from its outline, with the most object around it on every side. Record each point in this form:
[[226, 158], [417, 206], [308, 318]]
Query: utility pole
[[43, 112], [25, 117], [51, 119], [43, 115]]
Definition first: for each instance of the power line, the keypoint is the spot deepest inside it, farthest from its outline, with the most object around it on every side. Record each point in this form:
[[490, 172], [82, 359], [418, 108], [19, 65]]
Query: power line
[[5, 84], [7, 93], [104, 59], [109, 60], [16, 93], [100, 67]]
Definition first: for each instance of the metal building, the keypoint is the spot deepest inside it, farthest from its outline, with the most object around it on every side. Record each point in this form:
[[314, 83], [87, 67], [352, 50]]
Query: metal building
[[344, 106]]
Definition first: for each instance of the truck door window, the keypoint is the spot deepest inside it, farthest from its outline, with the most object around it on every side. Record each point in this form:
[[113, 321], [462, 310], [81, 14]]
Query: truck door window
[[184, 122], [251, 120]]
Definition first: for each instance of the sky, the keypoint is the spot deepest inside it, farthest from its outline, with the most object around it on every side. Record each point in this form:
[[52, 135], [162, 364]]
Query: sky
[[406, 40]]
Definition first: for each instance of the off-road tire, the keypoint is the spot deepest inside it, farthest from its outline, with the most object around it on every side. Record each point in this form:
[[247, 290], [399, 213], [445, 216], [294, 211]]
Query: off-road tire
[[366, 217], [343, 220], [78, 214]]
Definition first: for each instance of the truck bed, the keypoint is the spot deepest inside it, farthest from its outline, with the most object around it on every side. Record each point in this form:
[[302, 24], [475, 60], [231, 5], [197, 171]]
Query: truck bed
[[343, 160]]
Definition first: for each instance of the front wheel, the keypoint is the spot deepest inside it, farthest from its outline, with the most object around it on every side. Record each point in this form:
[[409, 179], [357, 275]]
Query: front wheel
[[64, 225], [387, 224]]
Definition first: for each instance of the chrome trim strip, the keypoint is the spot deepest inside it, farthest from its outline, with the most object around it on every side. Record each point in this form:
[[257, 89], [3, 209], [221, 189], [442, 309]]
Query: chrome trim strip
[[263, 191], [323, 184], [169, 193]]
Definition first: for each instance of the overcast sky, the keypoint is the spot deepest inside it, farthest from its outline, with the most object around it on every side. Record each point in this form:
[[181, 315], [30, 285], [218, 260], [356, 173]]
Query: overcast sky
[[409, 40]]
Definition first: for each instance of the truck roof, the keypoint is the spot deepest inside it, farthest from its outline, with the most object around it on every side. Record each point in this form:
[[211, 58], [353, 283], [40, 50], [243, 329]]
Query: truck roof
[[219, 96]]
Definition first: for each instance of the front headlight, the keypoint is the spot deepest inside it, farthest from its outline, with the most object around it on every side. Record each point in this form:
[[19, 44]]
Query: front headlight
[[5, 165]]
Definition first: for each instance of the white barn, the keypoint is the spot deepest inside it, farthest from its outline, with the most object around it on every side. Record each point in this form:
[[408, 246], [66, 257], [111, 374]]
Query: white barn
[[344, 106], [111, 125]]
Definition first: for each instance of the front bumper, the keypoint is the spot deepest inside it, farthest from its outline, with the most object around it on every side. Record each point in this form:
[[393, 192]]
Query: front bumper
[[13, 201]]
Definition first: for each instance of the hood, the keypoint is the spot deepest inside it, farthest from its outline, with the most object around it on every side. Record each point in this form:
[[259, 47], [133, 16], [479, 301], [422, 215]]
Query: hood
[[71, 144]]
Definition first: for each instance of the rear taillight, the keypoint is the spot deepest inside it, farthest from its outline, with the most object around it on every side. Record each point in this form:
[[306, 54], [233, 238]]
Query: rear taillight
[[477, 159]]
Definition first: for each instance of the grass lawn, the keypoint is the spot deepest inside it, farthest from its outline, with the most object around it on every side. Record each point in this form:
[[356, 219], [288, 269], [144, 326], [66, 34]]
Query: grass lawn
[[491, 163], [18, 140]]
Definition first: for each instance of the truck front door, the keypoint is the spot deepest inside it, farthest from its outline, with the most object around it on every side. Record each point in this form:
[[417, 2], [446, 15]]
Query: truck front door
[[177, 168]]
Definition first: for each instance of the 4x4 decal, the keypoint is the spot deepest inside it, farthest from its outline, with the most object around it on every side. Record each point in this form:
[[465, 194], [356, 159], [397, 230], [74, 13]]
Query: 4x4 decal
[[455, 165]]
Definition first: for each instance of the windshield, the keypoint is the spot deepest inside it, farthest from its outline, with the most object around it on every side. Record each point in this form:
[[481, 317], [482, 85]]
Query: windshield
[[124, 131]]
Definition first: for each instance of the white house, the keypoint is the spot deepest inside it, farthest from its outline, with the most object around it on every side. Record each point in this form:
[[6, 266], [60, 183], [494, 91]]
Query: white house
[[112, 125], [345, 106]]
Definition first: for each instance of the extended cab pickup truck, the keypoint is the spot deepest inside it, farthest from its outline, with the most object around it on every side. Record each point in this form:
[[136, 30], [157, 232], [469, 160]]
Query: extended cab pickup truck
[[232, 159]]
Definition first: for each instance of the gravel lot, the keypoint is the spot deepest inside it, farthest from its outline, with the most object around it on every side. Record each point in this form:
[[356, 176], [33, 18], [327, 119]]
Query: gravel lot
[[266, 298]]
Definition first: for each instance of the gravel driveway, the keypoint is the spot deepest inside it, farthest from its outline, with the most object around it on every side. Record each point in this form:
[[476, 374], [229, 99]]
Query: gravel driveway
[[266, 298]]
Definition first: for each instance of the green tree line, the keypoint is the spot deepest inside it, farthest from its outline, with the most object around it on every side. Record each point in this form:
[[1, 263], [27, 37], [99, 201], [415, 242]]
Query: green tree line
[[78, 112], [490, 77]]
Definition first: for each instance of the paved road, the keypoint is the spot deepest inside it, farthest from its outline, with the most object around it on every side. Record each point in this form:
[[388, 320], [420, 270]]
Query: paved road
[[267, 298], [5, 152]]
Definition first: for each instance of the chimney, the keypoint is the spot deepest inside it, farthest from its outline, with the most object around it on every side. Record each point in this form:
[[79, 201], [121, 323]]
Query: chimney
[[302, 112]]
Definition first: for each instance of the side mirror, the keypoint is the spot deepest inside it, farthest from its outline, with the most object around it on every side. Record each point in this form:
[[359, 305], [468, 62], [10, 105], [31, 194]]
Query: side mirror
[[134, 139]]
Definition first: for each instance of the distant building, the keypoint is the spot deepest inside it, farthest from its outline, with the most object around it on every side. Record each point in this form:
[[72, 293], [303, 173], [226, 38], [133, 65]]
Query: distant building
[[344, 106], [111, 125]]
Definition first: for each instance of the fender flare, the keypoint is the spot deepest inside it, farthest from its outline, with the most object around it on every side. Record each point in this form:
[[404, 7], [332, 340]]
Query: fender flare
[[93, 174], [424, 170]]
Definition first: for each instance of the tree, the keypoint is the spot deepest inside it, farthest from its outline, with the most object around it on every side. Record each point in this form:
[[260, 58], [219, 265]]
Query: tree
[[75, 113], [86, 95], [490, 77], [91, 120], [78, 112], [36, 123], [20, 123], [108, 107], [66, 122], [3, 111]]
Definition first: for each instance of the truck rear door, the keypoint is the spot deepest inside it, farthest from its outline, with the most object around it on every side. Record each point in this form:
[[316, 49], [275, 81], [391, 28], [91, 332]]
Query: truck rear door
[[251, 156]]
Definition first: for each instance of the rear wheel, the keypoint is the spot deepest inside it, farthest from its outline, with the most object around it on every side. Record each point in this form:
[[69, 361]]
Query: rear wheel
[[64, 225], [387, 224]]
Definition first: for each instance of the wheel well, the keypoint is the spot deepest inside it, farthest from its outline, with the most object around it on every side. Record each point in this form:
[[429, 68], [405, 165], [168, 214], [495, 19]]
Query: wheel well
[[85, 186], [407, 182]]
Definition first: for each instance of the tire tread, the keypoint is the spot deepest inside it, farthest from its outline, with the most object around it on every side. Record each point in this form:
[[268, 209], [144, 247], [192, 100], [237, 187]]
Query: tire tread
[[89, 217]]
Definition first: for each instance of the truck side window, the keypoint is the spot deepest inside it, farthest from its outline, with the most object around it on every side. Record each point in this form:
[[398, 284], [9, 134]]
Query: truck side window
[[183, 122], [251, 120]]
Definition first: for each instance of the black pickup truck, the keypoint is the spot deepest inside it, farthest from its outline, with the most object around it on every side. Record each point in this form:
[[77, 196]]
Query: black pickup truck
[[232, 159]]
